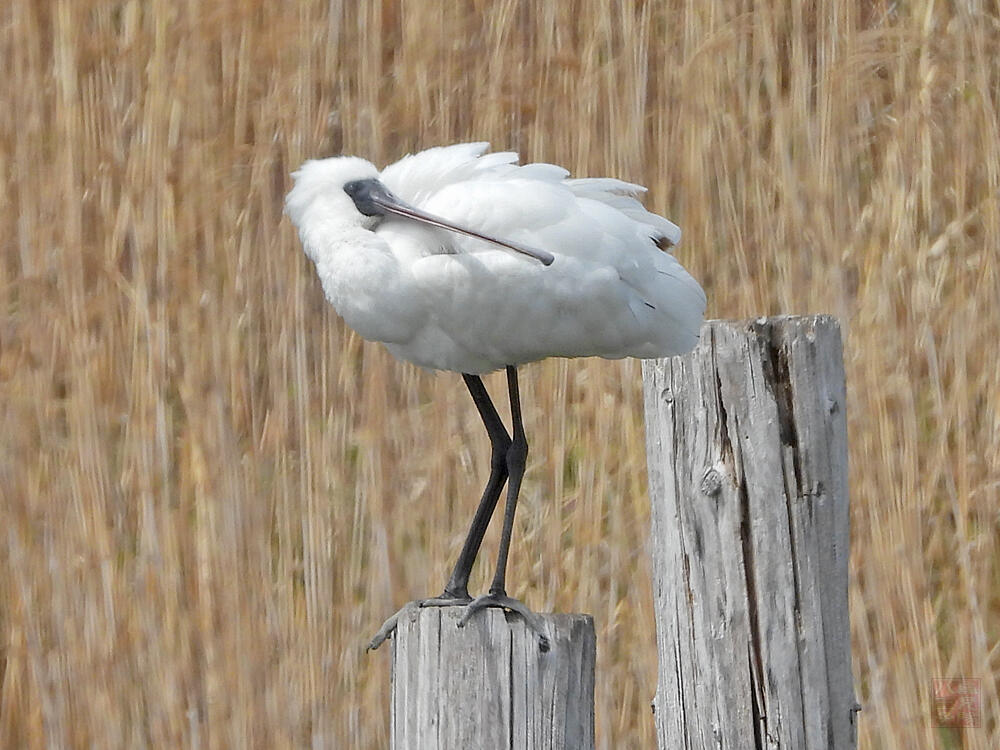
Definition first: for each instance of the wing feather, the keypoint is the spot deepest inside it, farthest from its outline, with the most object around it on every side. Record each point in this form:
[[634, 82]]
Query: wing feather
[[417, 176], [621, 195], [598, 229]]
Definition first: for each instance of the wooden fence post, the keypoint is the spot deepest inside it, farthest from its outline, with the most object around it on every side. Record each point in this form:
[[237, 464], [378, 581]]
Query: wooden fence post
[[488, 686], [747, 450]]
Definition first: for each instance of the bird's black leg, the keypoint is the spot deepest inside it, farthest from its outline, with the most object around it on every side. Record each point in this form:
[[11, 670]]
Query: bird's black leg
[[458, 584], [517, 455], [456, 591]]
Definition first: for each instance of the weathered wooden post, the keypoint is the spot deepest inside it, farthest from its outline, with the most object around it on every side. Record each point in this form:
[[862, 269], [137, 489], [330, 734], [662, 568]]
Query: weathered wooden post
[[747, 451], [488, 686]]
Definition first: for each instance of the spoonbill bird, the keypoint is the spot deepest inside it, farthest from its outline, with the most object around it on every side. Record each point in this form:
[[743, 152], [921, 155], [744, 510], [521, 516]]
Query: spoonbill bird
[[460, 260]]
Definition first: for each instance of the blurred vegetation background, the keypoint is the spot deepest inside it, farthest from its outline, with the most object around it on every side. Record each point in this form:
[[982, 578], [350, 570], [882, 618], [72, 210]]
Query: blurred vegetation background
[[213, 492]]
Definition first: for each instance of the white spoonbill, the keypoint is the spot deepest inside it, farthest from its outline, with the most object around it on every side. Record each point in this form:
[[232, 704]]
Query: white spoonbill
[[460, 260]]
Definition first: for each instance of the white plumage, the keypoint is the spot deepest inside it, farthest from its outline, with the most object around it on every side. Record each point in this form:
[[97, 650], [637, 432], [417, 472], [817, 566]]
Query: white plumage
[[451, 302], [460, 260]]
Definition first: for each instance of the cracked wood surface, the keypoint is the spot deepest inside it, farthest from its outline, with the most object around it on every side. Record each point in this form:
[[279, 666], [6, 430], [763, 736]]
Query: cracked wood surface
[[487, 685], [747, 450]]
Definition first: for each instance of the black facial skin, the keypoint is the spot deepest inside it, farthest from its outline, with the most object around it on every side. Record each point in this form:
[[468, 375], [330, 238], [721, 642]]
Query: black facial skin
[[364, 194]]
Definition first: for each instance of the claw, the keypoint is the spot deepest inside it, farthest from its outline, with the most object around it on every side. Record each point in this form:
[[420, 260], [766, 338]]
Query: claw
[[502, 601], [389, 626]]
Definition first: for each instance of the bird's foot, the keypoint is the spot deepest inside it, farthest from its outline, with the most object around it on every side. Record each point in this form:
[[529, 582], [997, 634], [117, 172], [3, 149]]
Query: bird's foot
[[502, 601], [389, 626]]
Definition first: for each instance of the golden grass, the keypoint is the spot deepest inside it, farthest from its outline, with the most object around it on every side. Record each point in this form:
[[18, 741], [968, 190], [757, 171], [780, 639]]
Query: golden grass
[[213, 492]]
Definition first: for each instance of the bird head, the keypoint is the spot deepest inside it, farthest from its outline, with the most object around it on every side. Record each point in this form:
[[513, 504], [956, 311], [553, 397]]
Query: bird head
[[319, 192], [344, 193]]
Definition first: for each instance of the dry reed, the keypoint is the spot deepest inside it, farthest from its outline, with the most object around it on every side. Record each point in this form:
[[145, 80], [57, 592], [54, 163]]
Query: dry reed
[[213, 492]]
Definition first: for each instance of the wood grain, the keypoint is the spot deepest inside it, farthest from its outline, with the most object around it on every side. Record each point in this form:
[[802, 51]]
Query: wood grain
[[747, 452], [487, 685]]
